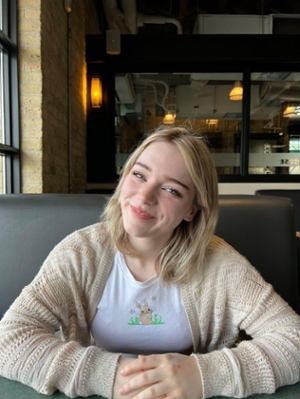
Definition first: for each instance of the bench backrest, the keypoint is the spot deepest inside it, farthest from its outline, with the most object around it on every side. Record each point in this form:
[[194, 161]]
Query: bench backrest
[[32, 224]]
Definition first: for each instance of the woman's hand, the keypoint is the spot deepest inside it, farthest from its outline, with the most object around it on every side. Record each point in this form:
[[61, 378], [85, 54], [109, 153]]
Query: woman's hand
[[169, 375], [121, 379]]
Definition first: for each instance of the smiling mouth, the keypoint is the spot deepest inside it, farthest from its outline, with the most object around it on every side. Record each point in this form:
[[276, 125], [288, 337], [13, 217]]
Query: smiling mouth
[[140, 213]]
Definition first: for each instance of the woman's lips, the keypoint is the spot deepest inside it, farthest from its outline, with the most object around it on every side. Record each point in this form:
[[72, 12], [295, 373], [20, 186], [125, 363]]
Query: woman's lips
[[140, 213]]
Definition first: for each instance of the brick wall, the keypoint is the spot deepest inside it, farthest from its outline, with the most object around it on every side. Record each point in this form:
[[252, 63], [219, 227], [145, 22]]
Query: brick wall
[[52, 106], [30, 74]]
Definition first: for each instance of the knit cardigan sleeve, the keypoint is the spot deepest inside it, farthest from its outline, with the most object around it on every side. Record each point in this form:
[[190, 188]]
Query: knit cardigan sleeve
[[231, 297], [63, 295]]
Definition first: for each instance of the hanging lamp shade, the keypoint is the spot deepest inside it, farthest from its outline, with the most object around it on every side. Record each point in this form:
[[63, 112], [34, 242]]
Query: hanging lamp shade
[[289, 111], [236, 93], [169, 119], [211, 121]]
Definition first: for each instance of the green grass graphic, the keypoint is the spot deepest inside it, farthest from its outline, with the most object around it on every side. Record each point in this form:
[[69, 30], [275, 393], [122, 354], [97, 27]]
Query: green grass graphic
[[134, 321], [157, 319]]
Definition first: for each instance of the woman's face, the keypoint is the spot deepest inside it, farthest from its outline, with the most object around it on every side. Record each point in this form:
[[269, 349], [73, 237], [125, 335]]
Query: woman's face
[[157, 194]]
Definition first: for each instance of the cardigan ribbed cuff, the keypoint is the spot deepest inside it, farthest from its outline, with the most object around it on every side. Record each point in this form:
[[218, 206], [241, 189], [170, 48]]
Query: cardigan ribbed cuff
[[216, 374], [100, 374]]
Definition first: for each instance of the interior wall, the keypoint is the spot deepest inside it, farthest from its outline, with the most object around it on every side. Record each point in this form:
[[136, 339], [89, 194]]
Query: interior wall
[[53, 94]]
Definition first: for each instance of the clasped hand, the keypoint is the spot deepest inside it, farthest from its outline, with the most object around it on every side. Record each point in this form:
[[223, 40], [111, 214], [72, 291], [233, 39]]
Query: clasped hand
[[169, 375]]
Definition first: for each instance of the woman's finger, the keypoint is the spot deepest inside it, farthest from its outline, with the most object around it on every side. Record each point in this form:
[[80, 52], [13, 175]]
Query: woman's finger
[[141, 363], [154, 373], [144, 379]]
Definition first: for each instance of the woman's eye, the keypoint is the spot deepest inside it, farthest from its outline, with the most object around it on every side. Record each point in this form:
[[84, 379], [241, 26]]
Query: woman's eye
[[172, 191], [139, 175]]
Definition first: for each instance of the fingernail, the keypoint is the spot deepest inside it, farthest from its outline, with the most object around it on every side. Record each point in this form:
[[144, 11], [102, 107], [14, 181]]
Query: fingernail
[[121, 390]]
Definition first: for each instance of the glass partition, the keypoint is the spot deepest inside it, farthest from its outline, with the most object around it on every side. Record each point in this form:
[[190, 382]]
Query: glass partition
[[274, 123], [210, 102]]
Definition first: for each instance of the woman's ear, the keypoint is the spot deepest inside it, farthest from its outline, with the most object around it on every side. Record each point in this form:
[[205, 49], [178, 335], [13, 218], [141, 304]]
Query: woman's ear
[[190, 216]]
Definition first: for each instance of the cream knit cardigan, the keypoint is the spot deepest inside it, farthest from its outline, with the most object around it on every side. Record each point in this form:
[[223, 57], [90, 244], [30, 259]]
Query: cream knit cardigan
[[230, 296]]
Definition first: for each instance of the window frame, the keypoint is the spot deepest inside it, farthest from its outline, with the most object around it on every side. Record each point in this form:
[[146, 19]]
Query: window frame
[[10, 149]]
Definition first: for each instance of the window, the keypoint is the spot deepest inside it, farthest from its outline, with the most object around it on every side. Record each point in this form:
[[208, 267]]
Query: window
[[212, 102], [274, 123], [295, 145], [9, 117]]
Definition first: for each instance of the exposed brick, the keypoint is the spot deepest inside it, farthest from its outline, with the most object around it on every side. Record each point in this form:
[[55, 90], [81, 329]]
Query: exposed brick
[[43, 56], [29, 25], [31, 65], [33, 112], [32, 14], [32, 124], [35, 146], [30, 88], [29, 4], [30, 40]]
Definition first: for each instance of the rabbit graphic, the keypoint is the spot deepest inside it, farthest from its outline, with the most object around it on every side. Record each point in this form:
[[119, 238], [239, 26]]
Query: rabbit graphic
[[145, 313]]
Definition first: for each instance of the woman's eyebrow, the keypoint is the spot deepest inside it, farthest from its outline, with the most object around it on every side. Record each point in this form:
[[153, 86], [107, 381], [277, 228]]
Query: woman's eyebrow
[[143, 166], [171, 179]]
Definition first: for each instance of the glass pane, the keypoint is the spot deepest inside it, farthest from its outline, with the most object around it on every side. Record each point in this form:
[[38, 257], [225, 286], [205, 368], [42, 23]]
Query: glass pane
[[146, 100], [275, 123]]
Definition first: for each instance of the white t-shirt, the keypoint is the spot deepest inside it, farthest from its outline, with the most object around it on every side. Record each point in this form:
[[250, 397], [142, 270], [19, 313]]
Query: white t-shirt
[[136, 317]]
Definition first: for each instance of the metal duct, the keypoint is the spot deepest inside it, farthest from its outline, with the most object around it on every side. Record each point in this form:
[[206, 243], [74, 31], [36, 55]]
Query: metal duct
[[130, 15], [279, 91], [114, 16]]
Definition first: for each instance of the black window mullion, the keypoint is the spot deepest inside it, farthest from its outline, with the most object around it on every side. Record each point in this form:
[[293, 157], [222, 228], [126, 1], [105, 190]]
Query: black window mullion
[[13, 21], [6, 42], [244, 154], [6, 98]]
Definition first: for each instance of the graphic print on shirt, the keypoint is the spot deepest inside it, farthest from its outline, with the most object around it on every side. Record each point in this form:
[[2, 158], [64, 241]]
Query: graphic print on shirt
[[146, 316]]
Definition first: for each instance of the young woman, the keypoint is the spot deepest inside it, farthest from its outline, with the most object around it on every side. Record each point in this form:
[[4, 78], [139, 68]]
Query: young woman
[[150, 304]]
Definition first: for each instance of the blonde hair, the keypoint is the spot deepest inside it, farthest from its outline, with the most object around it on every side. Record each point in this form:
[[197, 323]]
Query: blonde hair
[[184, 253]]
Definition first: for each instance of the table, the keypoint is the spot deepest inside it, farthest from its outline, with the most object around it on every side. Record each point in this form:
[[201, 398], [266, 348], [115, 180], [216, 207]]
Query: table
[[15, 390]]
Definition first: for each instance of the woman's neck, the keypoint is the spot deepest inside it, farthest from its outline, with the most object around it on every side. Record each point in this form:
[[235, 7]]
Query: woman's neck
[[143, 265], [140, 269]]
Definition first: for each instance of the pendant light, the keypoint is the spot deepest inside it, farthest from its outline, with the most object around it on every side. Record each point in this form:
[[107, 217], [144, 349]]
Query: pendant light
[[236, 93], [169, 119], [211, 121], [289, 111]]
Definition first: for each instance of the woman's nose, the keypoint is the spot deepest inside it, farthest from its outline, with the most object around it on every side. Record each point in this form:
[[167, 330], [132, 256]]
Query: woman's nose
[[148, 193]]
